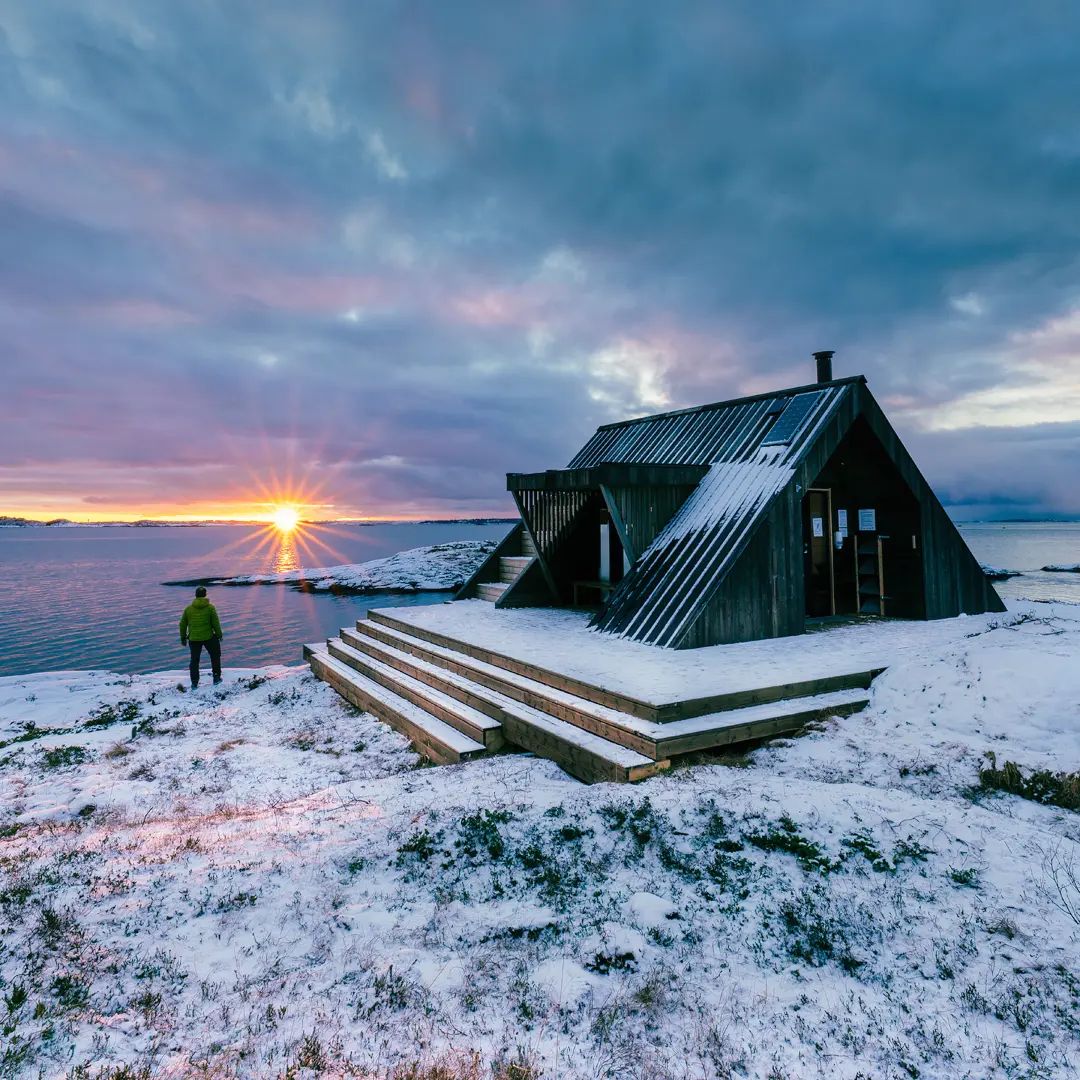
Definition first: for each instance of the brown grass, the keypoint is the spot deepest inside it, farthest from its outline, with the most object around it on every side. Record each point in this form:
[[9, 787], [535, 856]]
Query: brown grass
[[1041, 786]]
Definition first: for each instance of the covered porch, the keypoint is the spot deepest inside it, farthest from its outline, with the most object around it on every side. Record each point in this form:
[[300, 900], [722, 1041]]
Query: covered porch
[[590, 525]]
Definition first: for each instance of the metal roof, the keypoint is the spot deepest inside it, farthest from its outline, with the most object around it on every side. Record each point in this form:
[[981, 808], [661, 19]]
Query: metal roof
[[723, 431], [752, 451]]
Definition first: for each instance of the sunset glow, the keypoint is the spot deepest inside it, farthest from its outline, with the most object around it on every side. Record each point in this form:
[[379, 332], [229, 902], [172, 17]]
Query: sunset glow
[[285, 519]]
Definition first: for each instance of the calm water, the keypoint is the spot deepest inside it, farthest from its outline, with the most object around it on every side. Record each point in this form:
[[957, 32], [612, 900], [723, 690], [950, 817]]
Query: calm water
[[82, 597], [1027, 547], [93, 598]]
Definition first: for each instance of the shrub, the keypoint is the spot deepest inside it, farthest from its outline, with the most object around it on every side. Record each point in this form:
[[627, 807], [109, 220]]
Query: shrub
[[60, 757], [481, 831], [967, 878], [1041, 786], [420, 846], [123, 712], [786, 837]]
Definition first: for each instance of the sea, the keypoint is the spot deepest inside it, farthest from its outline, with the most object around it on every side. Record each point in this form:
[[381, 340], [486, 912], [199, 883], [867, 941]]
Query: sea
[[76, 597]]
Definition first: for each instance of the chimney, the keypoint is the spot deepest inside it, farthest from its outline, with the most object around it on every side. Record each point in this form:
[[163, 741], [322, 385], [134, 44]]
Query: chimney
[[824, 365]]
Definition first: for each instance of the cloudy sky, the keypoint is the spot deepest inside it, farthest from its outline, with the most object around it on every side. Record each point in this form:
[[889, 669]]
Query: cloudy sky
[[373, 255]]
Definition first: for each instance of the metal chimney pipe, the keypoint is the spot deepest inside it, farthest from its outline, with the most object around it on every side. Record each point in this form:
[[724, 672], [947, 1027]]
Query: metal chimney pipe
[[824, 364]]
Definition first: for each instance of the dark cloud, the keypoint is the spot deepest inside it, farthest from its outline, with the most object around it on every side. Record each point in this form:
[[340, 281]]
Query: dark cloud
[[401, 249]]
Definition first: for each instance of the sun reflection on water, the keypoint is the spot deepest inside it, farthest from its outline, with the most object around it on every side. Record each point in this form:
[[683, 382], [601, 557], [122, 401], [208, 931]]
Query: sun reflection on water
[[285, 556]]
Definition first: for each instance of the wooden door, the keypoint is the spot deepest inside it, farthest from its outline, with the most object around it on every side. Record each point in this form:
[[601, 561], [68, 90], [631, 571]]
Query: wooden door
[[818, 553]]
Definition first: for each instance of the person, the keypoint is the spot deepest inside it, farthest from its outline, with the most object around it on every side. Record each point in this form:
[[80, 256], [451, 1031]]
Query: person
[[199, 626]]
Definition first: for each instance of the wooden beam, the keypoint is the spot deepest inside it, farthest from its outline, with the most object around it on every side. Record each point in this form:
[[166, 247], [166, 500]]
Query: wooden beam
[[614, 475], [617, 521]]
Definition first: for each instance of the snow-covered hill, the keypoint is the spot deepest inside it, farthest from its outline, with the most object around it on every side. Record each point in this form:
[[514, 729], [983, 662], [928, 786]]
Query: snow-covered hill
[[254, 880]]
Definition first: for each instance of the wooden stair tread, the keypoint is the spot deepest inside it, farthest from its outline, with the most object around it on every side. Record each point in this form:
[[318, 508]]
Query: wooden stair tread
[[771, 710], [601, 713], [658, 740], [434, 729], [610, 751], [766, 711], [491, 590], [620, 704], [469, 717]]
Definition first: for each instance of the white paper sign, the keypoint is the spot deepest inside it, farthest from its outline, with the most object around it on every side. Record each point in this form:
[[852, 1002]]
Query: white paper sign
[[818, 525], [867, 521], [841, 522]]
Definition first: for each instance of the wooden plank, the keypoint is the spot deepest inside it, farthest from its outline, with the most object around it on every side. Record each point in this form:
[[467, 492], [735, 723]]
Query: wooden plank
[[477, 725], [762, 695], [608, 698], [435, 740], [474, 682], [614, 474], [620, 525], [755, 722]]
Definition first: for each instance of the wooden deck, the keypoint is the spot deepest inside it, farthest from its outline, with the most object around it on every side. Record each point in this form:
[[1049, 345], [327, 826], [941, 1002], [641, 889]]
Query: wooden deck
[[456, 700]]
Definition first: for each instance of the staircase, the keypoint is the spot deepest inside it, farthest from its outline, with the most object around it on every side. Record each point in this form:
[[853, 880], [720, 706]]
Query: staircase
[[456, 701], [501, 569]]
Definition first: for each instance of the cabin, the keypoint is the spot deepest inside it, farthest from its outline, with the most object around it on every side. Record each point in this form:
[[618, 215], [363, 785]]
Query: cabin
[[754, 518], [757, 518]]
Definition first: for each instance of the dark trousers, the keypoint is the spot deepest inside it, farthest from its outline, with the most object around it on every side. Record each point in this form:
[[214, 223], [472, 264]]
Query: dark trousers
[[213, 647]]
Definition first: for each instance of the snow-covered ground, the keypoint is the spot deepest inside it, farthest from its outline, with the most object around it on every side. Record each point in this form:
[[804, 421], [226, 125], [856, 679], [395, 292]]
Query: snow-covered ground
[[254, 880], [423, 569]]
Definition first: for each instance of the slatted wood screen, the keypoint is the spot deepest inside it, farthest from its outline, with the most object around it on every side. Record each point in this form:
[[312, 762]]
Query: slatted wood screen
[[550, 516]]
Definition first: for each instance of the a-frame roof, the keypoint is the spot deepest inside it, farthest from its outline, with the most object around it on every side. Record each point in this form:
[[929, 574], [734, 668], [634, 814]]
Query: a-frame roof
[[753, 446]]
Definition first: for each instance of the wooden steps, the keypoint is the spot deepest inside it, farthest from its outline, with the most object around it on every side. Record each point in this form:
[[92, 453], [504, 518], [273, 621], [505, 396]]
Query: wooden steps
[[477, 725], [662, 713], [455, 703], [510, 567], [436, 740], [513, 555]]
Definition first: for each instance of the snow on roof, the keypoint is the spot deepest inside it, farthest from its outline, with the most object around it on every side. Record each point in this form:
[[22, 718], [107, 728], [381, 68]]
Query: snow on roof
[[675, 576]]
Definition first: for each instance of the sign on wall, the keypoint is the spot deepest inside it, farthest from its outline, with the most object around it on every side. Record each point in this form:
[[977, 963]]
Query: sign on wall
[[867, 521], [841, 522]]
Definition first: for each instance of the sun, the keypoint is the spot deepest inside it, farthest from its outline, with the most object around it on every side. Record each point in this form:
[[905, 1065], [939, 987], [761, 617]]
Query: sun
[[285, 519]]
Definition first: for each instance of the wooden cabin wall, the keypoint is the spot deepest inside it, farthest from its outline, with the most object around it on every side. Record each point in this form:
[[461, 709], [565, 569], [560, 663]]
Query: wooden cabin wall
[[646, 510], [566, 528], [954, 583], [860, 474], [763, 595]]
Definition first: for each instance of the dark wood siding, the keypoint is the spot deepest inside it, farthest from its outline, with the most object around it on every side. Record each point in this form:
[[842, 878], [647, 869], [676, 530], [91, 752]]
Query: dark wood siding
[[763, 594], [644, 511]]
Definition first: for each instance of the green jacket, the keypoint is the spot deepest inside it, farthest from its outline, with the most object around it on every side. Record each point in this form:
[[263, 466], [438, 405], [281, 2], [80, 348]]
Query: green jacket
[[200, 621]]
